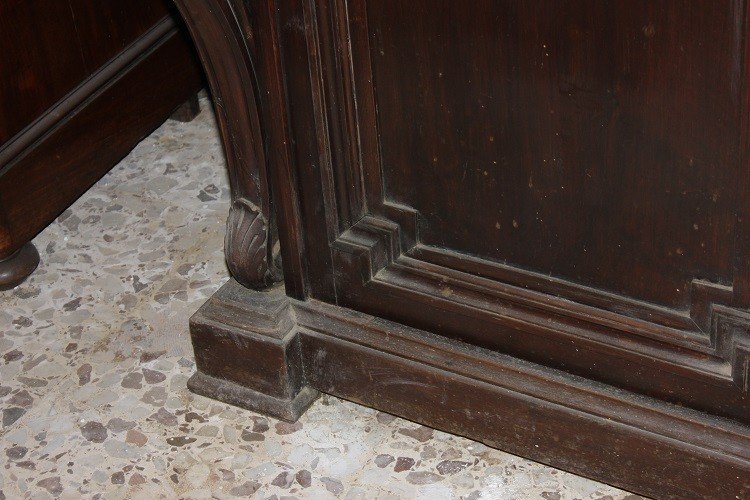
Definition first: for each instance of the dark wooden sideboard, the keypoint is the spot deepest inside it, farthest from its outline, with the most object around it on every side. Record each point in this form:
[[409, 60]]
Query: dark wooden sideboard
[[81, 83], [526, 222]]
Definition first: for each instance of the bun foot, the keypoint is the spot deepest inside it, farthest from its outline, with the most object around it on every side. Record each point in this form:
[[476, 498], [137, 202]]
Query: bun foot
[[187, 111], [16, 268]]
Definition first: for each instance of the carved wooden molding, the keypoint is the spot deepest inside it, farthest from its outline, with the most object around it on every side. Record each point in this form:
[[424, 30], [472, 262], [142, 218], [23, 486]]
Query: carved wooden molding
[[731, 335], [379, 274], [714, 325], [249, 255], [727, 327], [229, 330]]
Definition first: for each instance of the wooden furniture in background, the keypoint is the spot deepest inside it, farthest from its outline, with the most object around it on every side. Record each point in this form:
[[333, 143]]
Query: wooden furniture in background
[[523, 222], [81, 83]]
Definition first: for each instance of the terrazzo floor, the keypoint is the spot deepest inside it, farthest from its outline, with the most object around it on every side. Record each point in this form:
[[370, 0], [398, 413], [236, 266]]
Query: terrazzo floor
[[95, 356]]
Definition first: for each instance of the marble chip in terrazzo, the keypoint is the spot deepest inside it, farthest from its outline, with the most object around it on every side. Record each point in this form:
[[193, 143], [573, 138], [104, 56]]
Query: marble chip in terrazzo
[[95, 356]]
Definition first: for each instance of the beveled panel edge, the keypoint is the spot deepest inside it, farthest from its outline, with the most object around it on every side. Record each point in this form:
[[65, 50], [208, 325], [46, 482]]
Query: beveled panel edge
[[373, 275]]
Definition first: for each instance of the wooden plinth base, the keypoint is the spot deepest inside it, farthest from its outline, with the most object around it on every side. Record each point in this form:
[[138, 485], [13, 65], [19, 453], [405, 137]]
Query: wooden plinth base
[[16, 268], [263, 351], [289, 409]]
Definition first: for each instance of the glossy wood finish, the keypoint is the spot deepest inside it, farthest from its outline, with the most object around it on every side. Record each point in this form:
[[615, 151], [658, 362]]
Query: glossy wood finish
[[48, 48], [67, 125], [114, 25], [561, 184], [16, 268]]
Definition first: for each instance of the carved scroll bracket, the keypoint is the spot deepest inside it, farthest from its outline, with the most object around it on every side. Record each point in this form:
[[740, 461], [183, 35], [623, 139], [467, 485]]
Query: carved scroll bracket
[[249, 246], [221, 30]]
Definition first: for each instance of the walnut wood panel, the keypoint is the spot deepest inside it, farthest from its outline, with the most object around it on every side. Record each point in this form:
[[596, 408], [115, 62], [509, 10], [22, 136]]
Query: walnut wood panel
[[637, 310], [383, 266], [368, 131], [591, 141], [75, 101], [89, 142], [112, 25], [50, 47]]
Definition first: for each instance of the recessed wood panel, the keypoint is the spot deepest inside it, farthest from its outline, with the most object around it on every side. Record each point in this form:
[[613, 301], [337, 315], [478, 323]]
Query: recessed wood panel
[[558, 181], [592, 141]]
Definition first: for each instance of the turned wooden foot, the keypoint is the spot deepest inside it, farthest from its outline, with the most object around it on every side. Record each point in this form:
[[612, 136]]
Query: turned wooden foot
[[187, 111], [16, 268]]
